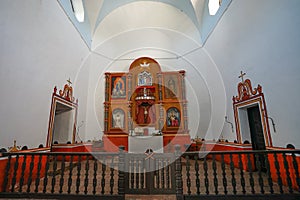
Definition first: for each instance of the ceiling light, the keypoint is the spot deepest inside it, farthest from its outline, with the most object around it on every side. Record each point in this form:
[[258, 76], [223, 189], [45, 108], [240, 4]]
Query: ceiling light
[[77, 6], [213, 6]]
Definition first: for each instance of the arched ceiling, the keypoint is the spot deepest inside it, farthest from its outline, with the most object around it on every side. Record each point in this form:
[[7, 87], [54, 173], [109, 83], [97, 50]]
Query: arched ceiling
[[170, 31], [107, 18]]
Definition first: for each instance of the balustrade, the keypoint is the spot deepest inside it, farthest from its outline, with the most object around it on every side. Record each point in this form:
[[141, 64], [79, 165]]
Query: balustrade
[[195, 174]]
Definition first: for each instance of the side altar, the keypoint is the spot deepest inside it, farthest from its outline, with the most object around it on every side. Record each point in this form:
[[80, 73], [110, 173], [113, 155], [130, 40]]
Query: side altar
[[145, 102]]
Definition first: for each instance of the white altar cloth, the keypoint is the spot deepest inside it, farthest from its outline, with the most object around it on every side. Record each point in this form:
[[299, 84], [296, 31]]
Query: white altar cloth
[[139, 144]]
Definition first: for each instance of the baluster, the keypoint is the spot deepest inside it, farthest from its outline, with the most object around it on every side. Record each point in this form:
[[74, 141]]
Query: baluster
[[14, 179], [242, 174], [250, 173], [168, 173], [206, 175], [287, 171], [7, 169], [37, 180], [214, 166], [62, 171], [162, 173], [86, 180], [157, 173], [260, 179], [53, 174], [178, 173], [70, 174], [132, 172], [95, 176], [78, 173], [121, 167], [188, 177], [197, 174], [279, 180], [46, 174], [30, 173], [112, 176], [269, 173], [137, 171], [103, 177], [233, 181], [295, 164], [6, 173], [142, 174], [224, 174], [22, 173]]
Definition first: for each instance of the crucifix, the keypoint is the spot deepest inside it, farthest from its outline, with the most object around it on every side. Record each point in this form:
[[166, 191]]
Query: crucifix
[[69, 81], [242, 76]]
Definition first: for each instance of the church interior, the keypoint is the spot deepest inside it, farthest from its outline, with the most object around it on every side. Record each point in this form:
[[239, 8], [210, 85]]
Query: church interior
[[154, 76]]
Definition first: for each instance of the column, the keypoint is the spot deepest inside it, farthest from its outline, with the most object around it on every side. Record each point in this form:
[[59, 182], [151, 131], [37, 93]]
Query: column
[[183, 96]]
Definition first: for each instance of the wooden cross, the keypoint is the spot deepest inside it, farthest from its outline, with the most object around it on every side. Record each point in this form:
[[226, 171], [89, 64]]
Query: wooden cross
[[69, 81], [242, 76], [149, 155]]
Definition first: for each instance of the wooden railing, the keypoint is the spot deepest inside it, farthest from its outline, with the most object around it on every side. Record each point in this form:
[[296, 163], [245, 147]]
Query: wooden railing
[[272, 174], [196, 175]]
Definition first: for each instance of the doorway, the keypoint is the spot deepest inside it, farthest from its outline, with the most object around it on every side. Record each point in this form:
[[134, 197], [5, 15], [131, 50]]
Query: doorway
[[63, 124], [256, 129], [62, 120], [257, 136]]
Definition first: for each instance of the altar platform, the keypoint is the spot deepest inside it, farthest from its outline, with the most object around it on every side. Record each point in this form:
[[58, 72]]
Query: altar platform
[[139, 144]]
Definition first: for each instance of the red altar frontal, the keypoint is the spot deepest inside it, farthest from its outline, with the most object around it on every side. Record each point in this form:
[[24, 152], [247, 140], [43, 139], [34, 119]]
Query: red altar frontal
[[145, 102]]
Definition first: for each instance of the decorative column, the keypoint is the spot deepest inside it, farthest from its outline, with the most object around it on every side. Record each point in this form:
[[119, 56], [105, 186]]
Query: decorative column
[[159, 77], [129, 117], [161, 116], [129, 88], [183, 96], [106, 115], [161, 110], [106, 103], [107, 81]]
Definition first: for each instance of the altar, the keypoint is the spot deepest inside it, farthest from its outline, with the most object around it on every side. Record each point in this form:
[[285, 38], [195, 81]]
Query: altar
[[139, 144], [145, 108]]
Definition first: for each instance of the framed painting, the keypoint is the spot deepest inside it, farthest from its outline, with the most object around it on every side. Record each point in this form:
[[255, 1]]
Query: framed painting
[[118, 119], [171, 86], [173, 117], [145, 79], [118, 87]]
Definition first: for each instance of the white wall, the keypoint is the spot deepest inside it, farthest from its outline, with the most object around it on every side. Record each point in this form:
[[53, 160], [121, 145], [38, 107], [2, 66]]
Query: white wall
[[262, 39], [40, 48]]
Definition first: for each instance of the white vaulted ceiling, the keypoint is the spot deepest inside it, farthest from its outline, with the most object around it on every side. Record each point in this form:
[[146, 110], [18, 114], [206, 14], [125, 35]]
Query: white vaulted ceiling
[[105, 19]]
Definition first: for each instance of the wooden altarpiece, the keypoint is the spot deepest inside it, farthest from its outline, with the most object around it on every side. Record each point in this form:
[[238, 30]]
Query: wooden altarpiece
[[145, 101]]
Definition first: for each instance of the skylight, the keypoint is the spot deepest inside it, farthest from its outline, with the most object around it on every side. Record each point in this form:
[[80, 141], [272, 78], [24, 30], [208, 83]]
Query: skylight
[[77, 6]]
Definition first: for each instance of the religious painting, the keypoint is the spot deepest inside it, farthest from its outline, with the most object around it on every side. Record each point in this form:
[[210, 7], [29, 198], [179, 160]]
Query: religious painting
[[173, 117], [118, 87], [170, 85], [118, 118], [144, 79]]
